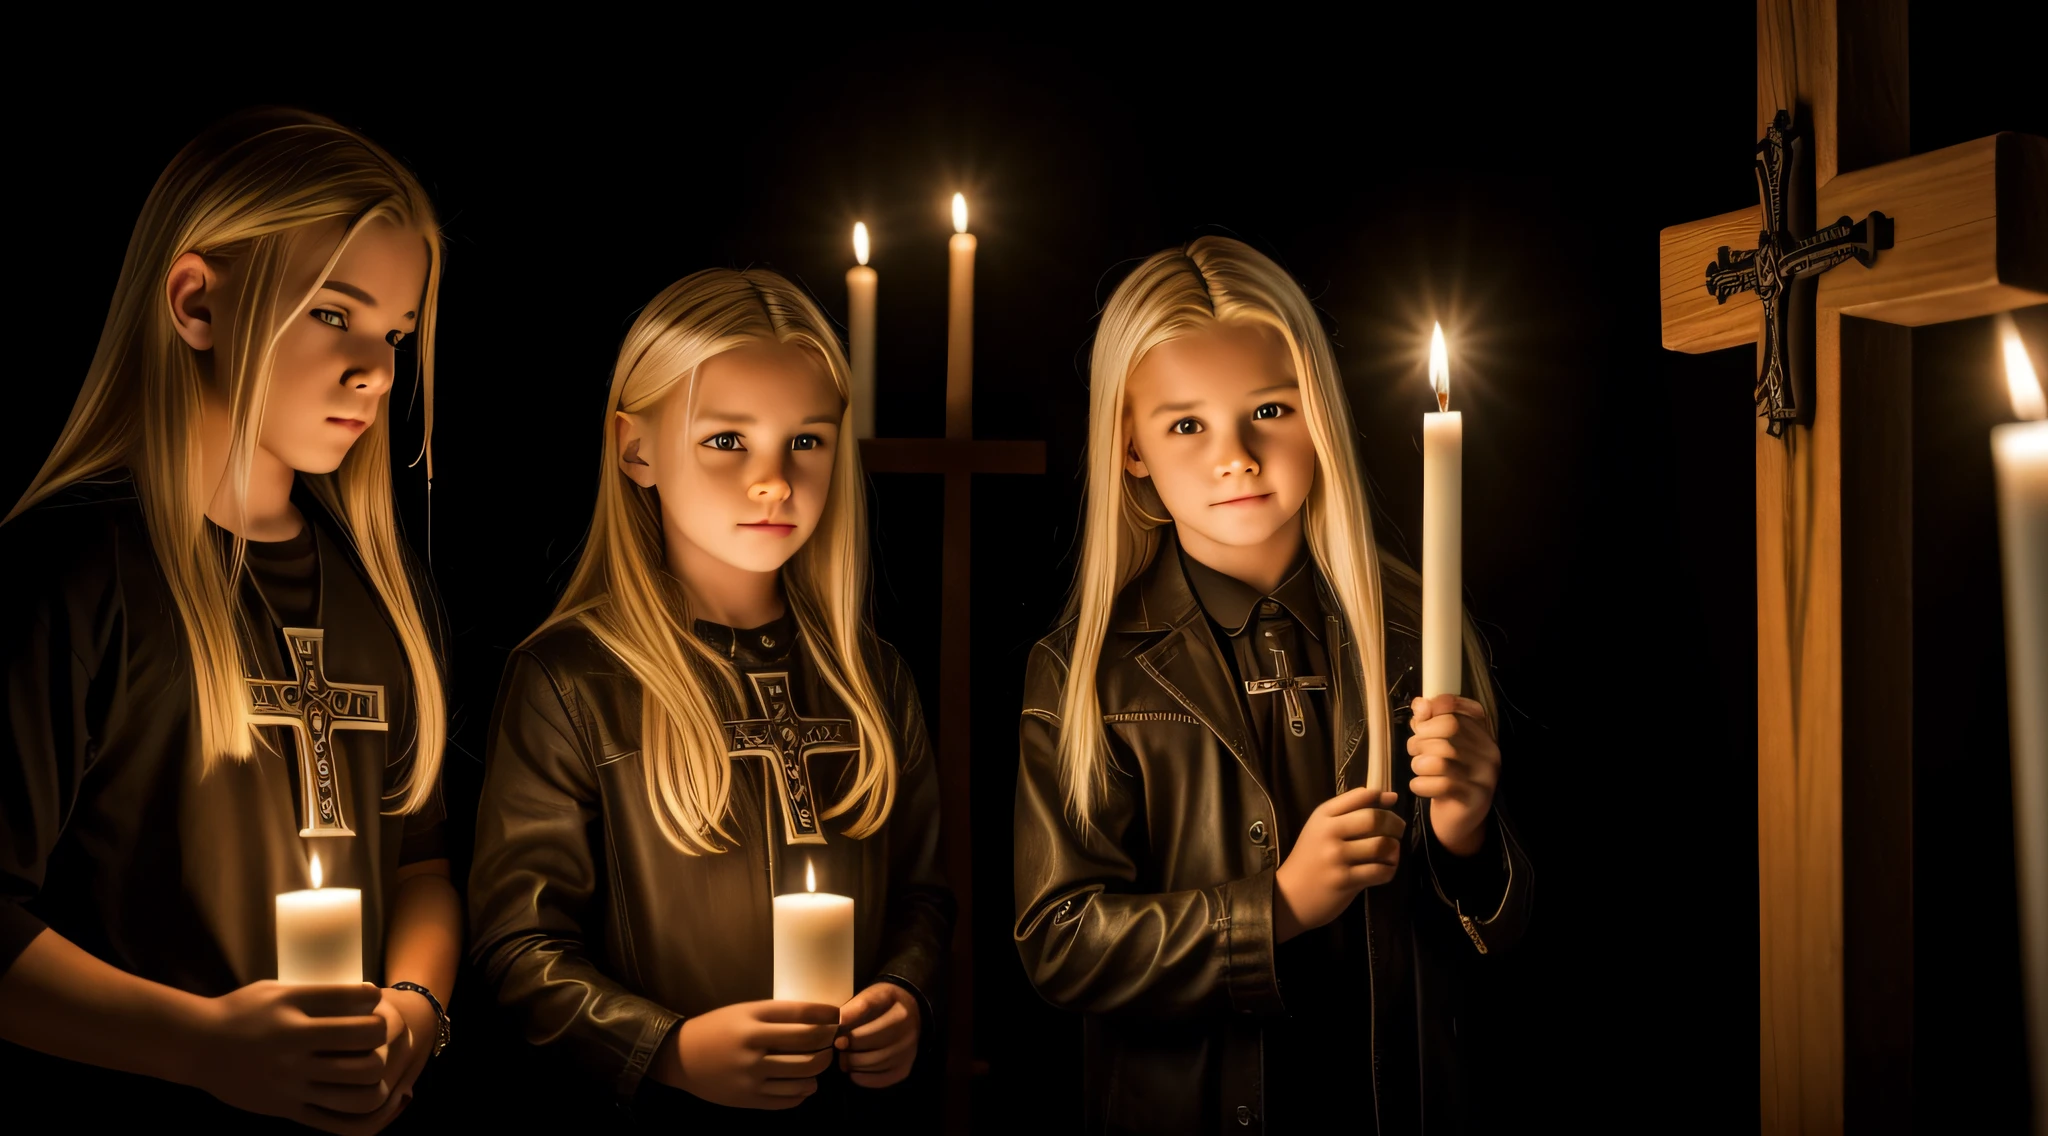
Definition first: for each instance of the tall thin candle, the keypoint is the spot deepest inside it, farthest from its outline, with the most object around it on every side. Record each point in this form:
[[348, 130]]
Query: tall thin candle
[[861, 282], [960, 327], [2019, 450]]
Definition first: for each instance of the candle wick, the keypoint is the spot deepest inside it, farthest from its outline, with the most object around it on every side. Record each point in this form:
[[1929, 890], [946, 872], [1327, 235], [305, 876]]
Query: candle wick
[[1443, 402]]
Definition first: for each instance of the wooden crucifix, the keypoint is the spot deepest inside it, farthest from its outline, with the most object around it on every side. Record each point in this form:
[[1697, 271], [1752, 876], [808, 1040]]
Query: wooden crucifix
[[959, 457], [1834, 535]]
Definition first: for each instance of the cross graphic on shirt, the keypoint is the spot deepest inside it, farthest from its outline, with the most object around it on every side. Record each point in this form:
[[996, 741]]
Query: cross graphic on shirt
[[1289, 687], [315, 708], [785, 741]]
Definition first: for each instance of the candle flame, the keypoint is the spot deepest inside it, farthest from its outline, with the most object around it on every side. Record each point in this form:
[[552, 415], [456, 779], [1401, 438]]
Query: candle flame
[[2020, 381], [860, 242], [316, 869], [959, 213], [810, 877], [1439, 368]]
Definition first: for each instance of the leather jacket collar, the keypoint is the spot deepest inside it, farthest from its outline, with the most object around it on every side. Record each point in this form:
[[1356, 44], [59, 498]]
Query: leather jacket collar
[[1180, 652]]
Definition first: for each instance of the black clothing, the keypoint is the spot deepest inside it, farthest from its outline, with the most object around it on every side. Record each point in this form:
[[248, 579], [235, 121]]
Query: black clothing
[[113, 833], [598, 936], [1158, 925]]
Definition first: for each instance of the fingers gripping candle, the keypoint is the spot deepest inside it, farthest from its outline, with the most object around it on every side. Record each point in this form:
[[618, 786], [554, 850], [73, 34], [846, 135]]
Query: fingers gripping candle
[[320, 933], [1443, 456], [813, 945]]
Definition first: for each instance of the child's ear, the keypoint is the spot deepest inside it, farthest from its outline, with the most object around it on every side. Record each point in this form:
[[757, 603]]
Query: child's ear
[[192, 287], [635, 449], [1133, 464]]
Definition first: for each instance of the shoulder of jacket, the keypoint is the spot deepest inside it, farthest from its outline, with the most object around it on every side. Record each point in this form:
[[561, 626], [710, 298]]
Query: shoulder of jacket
[[566, 650]]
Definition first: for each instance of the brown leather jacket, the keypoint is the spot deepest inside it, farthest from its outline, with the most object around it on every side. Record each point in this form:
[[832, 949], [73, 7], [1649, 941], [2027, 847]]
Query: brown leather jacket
[[1160, 929], [598, 936]]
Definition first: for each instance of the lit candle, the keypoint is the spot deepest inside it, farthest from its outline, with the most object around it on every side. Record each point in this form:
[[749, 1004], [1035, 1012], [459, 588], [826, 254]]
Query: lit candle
[[1443, 455], [320, 933], [860, 334], [960, 328], [2019, 450], [813, 945]]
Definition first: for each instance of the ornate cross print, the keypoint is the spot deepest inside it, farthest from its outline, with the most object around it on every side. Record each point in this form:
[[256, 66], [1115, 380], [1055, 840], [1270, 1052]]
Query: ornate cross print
[[785, 741], [315, 708], [1289, 687], [1774, 268]]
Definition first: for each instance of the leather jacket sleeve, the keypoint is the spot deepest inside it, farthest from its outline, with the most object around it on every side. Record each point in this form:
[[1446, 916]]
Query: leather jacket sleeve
[[532, 886], [921, 907], [1495, 887], [1089, 940]]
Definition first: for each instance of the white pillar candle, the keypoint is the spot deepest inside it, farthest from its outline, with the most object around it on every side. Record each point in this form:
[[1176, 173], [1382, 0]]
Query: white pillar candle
[[320, 933], [2019, 450], [813, 945], [960, 328], [860, 334]]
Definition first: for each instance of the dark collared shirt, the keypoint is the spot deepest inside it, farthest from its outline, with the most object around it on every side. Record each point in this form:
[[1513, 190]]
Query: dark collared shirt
[[1273, 642]]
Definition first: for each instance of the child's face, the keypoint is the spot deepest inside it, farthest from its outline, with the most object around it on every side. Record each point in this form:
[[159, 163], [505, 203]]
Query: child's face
[[1215, 422], [744, 472], [335, 359]]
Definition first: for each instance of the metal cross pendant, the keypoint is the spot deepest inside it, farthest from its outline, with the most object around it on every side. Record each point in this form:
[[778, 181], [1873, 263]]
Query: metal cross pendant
[[315, 708], [1289, 687], [1776, 268], [785, 741]]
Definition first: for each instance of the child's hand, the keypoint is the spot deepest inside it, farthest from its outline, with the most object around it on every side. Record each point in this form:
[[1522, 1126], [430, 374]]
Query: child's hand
[[1456, 766], [878, 1031], [750, 1054], [1350, 843], [315, 1054]]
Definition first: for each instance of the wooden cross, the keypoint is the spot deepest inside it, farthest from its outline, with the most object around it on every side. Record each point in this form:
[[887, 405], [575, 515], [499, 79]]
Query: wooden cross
[[1289, 687], [1834, 542], [784, 740], [959, 457], [315, 708]]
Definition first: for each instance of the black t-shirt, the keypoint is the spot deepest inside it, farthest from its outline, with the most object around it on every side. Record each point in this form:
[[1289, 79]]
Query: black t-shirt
[[115, 834]]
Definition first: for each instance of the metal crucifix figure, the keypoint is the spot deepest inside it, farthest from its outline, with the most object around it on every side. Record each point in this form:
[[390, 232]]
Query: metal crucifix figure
[[1782, 267]]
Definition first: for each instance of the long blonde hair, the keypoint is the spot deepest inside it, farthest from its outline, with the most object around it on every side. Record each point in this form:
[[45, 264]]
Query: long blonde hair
[[1176, 293], [244, 191], [624, 596]]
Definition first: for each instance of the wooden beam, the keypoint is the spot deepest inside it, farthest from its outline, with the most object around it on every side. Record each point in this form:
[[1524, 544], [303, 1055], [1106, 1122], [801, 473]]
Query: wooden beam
[[1955, 254], [1693, 320]]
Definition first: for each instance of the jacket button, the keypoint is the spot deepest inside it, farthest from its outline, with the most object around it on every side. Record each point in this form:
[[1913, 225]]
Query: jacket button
[[1258, 832], [1244, 1116]]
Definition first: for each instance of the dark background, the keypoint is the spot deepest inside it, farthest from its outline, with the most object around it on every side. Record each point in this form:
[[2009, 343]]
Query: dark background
[[1507, 177]]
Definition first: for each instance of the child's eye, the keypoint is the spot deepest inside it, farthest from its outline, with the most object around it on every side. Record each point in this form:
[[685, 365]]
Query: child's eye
[[1269, 410], [806, 442], [331, 318], [730, 440], [1186, 426], [394, 337]]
